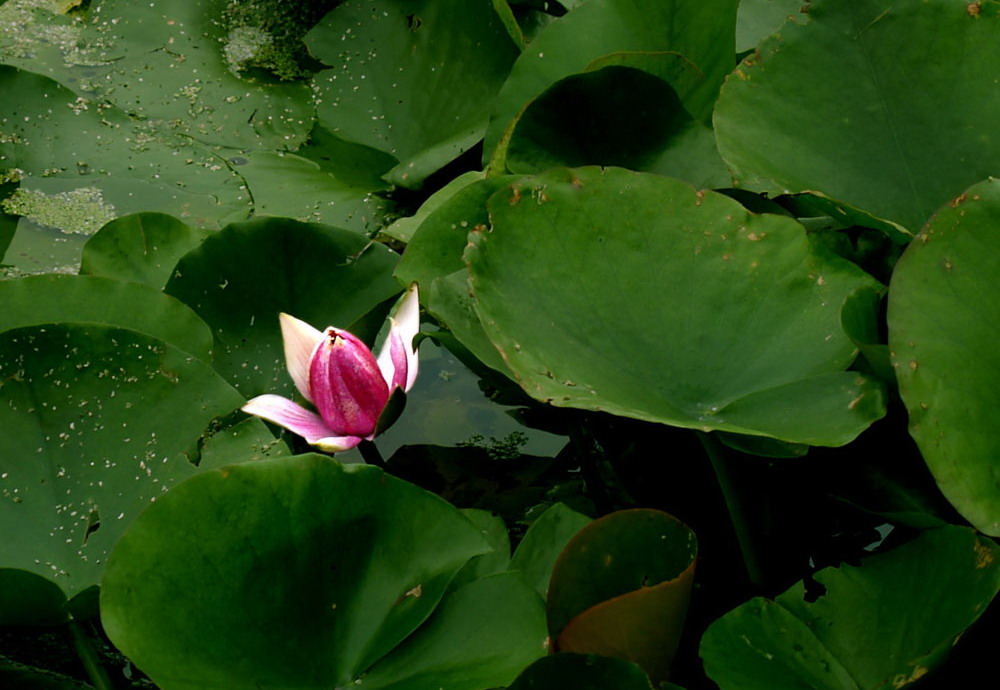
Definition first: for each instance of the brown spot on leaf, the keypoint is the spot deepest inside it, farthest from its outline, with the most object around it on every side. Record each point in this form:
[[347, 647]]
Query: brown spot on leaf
[[984, 557]]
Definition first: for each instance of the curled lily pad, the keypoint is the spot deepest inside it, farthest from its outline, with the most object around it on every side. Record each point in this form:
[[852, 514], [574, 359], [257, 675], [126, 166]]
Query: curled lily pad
[[621, 588]]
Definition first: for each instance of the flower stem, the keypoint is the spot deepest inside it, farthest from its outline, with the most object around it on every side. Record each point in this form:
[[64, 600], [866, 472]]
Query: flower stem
[[736, 506], [369, 451], [88, 656]]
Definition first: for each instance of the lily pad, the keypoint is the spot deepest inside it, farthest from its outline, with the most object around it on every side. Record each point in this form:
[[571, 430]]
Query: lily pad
[[865, 126], [141, 248], [481, 636], [84, 449], [415, 79], [758, 19], [944, 325], [242, 277], [623, 110], [335, 565], [493, 529], [42, 299], [878, 625], [654, 301], [288, 185]]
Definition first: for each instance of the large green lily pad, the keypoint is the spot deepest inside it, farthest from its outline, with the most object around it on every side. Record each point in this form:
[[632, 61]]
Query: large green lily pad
[[242, 277], [845, 102], [883, 624], [944, 326], [304, 572], [98, 422], [624, 110], [645, 298]]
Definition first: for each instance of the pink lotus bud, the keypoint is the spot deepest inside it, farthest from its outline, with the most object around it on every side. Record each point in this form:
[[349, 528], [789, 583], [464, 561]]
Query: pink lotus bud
[[338, 374]]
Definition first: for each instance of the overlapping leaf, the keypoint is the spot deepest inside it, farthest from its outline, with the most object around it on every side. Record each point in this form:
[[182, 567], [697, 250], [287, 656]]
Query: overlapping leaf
[[242, 277]]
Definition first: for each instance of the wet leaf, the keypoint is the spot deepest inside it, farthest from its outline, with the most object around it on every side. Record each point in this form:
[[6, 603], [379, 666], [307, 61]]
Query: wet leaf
[[36, 300], [141, 248], [758, 19], [287, 185], [82, 162], [433, 259], [543, 542], [168, 65], [414, 79], [701, 32], [481, 636], [493, 529]]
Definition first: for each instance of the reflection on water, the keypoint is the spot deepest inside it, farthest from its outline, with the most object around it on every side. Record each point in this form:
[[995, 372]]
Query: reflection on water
[[446, 408]]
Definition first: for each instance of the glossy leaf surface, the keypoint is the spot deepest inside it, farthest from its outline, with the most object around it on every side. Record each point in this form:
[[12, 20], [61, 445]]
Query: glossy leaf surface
[[416, 80]]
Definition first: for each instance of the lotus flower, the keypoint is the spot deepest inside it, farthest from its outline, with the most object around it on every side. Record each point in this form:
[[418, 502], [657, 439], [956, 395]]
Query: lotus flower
[[341, 377]]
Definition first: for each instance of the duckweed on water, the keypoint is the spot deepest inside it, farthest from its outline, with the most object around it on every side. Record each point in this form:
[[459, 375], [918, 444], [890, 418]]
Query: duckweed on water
[[81, 210]]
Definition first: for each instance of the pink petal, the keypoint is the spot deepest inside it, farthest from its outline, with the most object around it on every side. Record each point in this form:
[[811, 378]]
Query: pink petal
[[300, 341], [346, 384], [300, 421], [398, 359]]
